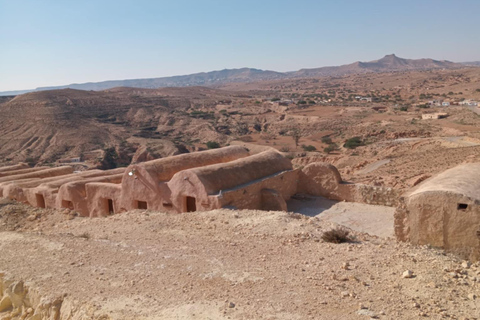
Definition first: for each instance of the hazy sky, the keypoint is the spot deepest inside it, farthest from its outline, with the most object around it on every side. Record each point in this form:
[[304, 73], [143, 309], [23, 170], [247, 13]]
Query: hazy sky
[[56, 42]]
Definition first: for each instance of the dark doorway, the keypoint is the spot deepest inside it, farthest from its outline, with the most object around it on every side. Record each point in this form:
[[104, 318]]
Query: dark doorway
[[110, 206], [142, 205], [40, 200], [191, 204], [67, 204]]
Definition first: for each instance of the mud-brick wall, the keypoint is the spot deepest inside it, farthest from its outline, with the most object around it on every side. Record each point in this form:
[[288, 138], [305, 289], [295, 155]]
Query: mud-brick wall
[[249, 196], [376, 195]]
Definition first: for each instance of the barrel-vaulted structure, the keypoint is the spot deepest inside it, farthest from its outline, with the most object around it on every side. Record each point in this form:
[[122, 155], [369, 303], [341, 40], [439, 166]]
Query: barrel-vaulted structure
[[238, 176], [238, 183], [444, 211], [144, 185]]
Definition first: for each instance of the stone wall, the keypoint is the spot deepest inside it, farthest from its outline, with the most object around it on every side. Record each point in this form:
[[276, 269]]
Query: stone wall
[[251, 195], [376, 195]]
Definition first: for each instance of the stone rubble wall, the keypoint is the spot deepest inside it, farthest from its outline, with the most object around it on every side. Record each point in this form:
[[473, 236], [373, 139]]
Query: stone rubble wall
[[19, 301], [383, 196]]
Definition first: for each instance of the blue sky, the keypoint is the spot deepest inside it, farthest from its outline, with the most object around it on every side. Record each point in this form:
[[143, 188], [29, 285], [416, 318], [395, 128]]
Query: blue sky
[[47, 42]]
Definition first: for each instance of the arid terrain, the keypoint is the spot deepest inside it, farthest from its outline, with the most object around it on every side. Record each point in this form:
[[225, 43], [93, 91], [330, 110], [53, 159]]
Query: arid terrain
[[222, 265], [308, 119], [234, 264]]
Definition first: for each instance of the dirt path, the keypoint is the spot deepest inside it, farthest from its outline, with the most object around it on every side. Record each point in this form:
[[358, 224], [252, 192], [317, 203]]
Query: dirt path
[[373, 166]]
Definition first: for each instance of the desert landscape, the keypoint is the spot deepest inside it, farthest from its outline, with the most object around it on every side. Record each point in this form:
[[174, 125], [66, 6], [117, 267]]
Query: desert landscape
[[306, 195]]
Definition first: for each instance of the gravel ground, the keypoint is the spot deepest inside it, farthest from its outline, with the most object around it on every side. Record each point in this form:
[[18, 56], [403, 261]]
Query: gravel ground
[[227, 265]]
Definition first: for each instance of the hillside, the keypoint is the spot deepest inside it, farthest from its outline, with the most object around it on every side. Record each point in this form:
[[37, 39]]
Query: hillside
[[47, 125], [386, 64]]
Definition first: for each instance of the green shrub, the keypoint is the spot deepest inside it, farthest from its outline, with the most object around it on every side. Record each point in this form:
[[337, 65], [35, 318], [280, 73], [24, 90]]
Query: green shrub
[[212, 145], [308, 148], [329, 149], [327, 140], [354, 142]]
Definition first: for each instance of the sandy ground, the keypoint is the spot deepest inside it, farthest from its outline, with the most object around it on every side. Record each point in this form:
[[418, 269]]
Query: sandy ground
[[228, 265], [371, 219]]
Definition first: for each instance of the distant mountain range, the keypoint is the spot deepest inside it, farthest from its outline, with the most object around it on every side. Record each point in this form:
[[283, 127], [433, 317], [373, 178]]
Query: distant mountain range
[[388, 63], [472, 63]]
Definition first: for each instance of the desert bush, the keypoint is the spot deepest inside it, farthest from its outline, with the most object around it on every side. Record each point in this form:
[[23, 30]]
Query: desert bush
[[354, 142], [327, 140], [337, 235], [32, 161], [285, 149], [329, 149], [212, 145], [308, 148]]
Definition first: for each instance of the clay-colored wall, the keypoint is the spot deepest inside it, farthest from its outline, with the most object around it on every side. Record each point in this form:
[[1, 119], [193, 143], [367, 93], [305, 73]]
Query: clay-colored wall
[[149, 181], [240, 181], [76, 194], [49, 189], [97, 195], [14, 189], [14, 167], [53, 172], [251, 196], [21, 171], [323, 179], [229, 175], [434, 218]]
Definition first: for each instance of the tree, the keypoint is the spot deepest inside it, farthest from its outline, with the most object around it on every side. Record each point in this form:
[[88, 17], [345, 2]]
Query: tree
[[110, 158], [296, 135]]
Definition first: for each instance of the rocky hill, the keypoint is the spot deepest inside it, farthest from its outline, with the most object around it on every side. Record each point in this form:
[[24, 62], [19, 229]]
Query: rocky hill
[[386, 64], [47, 125]]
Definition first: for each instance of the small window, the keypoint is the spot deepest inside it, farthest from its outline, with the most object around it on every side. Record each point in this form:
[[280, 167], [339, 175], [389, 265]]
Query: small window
[[142, 205], [462, 206], [167, 205]]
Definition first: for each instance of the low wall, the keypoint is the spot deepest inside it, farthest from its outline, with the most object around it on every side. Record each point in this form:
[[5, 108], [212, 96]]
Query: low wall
[[383, 196], [250, 195]]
